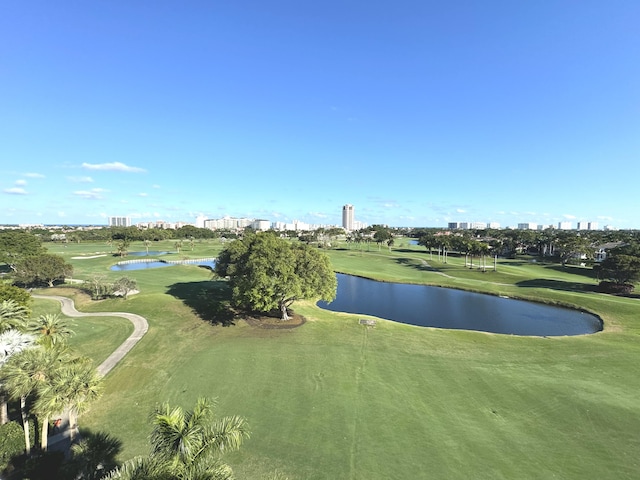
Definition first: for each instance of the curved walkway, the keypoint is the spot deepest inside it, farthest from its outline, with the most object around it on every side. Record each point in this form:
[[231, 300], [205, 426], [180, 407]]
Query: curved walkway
[[140, 327], [62, 440]]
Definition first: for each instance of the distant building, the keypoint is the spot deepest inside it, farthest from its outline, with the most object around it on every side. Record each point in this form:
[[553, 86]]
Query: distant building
[[564, 226], [119, 221], [494, 225], [348, 217], [592, 226], [527, 226], [200, 219], [453, 225], [261, 225]]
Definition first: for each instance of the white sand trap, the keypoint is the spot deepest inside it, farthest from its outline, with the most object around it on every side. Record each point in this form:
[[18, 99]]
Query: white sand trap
[[93, 256]]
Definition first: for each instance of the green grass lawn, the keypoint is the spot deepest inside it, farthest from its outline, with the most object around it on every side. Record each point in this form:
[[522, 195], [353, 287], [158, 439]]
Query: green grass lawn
[[336, 400]]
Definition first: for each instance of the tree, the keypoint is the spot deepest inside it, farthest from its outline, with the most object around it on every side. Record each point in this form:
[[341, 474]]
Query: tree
[[99, 287], [124, 286], [12, 315], [16, 245], [266, 272], [51, 330], [122, 247], [42, 269], [17, 294], [187, 445], [24, 374], [381, 236], [75, 386], [11, 343], [620, 268]]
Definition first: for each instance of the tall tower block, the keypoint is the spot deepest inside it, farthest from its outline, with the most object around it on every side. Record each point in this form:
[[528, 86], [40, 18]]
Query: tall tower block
[[347, 217]]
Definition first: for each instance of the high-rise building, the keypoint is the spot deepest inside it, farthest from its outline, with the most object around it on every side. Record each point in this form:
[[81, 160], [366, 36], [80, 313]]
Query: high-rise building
[[348, 217], [119, 221]]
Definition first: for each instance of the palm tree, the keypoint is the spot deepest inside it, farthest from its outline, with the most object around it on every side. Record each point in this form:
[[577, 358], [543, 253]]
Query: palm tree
[[11, 342], [78, 384], [190, 443], [51, 329], [27, 372], [187, 445], [12, 315]]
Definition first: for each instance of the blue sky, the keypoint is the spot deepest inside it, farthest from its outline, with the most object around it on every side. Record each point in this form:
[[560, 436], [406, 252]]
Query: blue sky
[[416, 112]]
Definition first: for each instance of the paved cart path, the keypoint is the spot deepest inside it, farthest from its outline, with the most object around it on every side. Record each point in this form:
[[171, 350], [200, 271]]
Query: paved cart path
[[61, 439], [140, 327]]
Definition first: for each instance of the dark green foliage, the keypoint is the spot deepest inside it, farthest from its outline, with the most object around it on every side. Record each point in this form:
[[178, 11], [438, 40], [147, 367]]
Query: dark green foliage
[[620, 268], [43, 269], [17, 244], [17, 294], [11, 443], [267, 273]]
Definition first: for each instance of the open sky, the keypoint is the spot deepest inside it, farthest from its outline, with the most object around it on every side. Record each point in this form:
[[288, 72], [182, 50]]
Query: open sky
[[416, 112]]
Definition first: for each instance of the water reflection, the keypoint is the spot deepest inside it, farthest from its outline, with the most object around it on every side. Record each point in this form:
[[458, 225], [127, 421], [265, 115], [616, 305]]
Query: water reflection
[[448, 308]]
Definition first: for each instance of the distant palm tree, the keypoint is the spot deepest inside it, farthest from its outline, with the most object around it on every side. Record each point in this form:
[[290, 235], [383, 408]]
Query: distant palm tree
[[50, 329]]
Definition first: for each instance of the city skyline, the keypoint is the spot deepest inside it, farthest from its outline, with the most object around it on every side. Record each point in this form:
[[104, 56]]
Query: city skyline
[[418, 114]]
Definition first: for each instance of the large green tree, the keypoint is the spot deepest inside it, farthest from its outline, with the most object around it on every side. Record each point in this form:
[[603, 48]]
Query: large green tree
[[266, 273], [16, 245], [621, 268], [42, 269]]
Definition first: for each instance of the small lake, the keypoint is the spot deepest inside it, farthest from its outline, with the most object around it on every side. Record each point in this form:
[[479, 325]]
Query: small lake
[[158, 264], [427, 306], [151, 253]]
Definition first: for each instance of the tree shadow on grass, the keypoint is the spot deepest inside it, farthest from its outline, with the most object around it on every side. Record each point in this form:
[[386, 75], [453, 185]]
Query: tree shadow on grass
[[92, 456], [558, 285], [582, 271], [208, 299], [420, 265]]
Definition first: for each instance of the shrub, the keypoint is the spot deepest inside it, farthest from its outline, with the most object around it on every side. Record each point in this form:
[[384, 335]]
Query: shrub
[[11, 443], [615, 288]]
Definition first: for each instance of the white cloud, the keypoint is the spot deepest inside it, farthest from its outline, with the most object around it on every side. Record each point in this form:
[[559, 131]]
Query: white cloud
[[156, 186], [143, 194], [80, 179], [113, 167], [318, 214], [21, 182], [569, 217], [461, 210], [15, 191], [34, 175], [93, 194]]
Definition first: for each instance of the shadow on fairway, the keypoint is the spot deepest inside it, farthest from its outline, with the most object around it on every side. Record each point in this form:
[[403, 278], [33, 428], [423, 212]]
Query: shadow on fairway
[[412, 263], [557, 285], [583, 272], [95, 457], [208, 299]]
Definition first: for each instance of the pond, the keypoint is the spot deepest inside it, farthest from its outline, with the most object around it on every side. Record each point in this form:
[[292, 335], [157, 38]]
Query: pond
[[158, 264], [150, 253], [427, 306]]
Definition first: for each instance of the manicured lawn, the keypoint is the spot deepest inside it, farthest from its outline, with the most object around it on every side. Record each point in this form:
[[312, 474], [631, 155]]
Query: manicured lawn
[[333, 399]]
